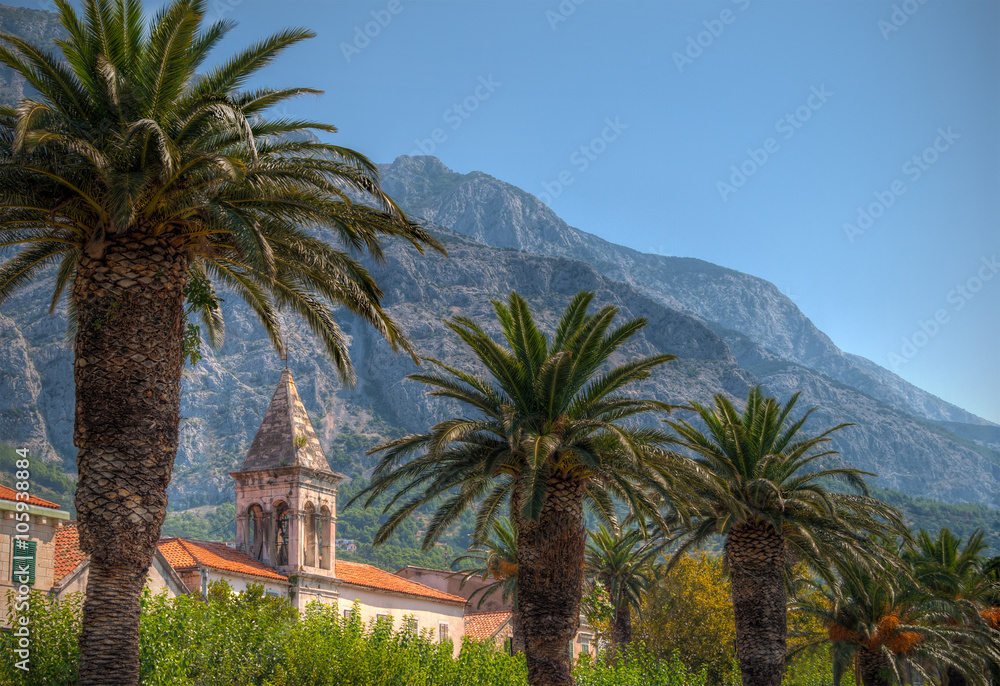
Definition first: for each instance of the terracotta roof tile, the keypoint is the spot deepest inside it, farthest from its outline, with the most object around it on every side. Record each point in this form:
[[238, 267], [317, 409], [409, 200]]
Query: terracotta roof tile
[[184, 553], [8, 493], [68, 554], [359, 574], [480, 626]]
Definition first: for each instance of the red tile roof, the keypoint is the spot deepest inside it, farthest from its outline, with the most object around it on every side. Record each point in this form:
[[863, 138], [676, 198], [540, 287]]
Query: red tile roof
[[8, 493], [481, 626], [68, 553], [183, 553], [358, 574]]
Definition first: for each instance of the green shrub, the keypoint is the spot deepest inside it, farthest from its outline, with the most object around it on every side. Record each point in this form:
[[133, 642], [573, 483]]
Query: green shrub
[[54, 628], [250, 639]]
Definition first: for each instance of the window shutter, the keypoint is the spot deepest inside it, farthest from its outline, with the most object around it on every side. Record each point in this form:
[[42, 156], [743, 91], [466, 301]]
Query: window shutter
[[23, 559]]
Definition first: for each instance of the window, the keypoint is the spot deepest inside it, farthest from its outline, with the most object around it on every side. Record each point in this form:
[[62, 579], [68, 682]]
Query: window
[[347, 613], [410, 623], [383, 617], [22, 567], [443, 631]]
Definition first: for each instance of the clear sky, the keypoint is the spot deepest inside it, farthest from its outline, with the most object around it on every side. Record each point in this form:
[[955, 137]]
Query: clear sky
[[743, 132]]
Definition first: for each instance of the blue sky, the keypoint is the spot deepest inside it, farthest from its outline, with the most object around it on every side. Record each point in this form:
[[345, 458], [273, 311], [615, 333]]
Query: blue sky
[[747, 133]]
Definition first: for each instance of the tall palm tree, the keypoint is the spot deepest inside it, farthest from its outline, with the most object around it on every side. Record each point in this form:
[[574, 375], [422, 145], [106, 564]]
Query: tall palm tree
[[892, 629], [147, 185], [958, 575], [622, 563], [757, 490], [545, 434], [495, 559]]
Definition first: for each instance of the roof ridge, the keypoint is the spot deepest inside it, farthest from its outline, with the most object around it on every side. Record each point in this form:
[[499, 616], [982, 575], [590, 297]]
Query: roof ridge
[[435, 591]]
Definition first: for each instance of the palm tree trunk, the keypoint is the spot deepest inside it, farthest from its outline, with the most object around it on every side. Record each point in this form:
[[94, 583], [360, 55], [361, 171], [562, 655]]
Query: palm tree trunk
[[756, 555], [874, 668], [621, 629], [517, 637], [550, 555], [129, 301]]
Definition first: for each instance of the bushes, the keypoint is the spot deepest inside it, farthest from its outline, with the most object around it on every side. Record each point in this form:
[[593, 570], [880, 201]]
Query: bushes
[[252, 639]]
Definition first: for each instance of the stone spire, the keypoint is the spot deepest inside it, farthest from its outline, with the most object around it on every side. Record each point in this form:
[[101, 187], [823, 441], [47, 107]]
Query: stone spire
[[286, 437]]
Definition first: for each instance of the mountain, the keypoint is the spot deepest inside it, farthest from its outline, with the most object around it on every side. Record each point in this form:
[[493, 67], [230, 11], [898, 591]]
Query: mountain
[[503, 216], [35, 25]]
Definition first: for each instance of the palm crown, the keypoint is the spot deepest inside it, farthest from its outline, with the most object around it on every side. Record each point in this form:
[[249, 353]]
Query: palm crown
[[546, 409], [125, 141], [493, 560], [755, 469], [622, 563]]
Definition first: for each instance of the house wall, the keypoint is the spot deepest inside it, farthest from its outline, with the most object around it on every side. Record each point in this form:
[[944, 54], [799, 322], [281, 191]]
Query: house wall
[[428, 613], [239, 583], [444, 580], [156, 581], [42, 531]]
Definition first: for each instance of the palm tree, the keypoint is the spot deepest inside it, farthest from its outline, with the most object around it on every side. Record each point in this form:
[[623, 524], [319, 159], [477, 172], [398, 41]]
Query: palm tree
[[622, 564], [495, 559], [891, 629], [545, 435], [147, 185], [958, 575], [756, 491]]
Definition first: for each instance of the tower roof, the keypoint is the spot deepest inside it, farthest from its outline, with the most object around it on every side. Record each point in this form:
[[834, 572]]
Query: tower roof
[[286, 437]]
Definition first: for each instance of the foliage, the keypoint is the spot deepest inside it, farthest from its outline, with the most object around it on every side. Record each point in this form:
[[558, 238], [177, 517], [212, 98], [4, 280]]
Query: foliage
[[494, 560], [637, 667], [124, 132], [253, 639], [688, 611], [622, 563], [887, 613], [931, 515], [758, 467], [546, 408], [54, 627]]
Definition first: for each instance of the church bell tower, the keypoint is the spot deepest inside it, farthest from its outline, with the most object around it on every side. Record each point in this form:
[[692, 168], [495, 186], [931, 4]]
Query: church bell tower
[[286, 493]]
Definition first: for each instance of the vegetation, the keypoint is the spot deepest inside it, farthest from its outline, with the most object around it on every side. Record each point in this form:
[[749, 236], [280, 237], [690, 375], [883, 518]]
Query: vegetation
[[495, 560], [758, 488], [151, 185], [888, 628], [254, 639], [689, 610], [548, 434], [622, 565]]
